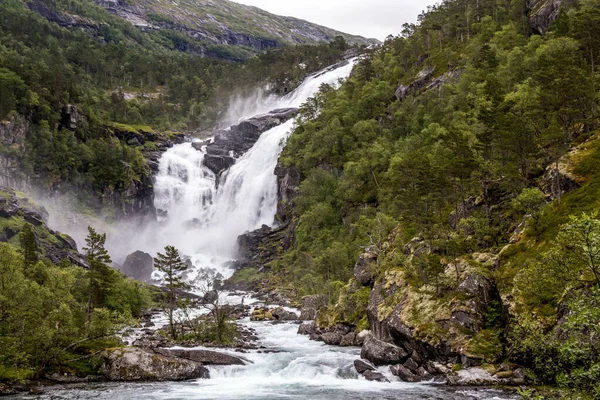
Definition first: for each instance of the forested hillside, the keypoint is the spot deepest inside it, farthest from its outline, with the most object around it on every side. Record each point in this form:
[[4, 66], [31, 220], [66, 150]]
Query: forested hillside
[[88, 109], [460, 163]]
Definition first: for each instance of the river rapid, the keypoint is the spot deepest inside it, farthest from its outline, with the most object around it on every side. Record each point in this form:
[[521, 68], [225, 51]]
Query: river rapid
[[202, 216]]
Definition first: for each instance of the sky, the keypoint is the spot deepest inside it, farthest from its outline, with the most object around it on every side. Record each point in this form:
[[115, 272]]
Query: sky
[[369, 18]]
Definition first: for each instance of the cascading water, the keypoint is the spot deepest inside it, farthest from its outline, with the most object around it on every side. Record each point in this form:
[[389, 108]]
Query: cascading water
[[202, 220]]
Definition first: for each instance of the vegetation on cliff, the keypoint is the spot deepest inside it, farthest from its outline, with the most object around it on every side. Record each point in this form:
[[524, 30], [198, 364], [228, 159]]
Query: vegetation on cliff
[[459, 157], [88, 103], [59, 317]]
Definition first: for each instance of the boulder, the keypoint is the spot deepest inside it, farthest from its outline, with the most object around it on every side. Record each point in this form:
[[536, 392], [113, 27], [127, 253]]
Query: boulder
[[420, 82], [139, 265], [382, 353], [205, 357], [136, 364], [363, 365], [349, 339], [374, 376], [332, 338], [281, 314], [404, 373], [307, 328]]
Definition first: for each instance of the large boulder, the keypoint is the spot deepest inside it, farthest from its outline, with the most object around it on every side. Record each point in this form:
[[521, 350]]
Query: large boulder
[[363, 365], [206, 357], [139, 265], [137, 364], [382, 353]]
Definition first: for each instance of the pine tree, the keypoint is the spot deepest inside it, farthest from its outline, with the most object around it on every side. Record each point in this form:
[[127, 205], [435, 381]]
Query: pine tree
[[28, 246], [173, 267], [100, 273]]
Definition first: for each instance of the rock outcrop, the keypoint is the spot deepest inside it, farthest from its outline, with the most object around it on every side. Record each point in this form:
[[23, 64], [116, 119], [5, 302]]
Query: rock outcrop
[[228, 145], [137, 364], [542, 13], [17, 211], [420, 82], [138, 265]]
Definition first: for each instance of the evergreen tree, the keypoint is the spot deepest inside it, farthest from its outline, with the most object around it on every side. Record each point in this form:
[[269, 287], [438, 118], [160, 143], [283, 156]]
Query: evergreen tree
[[28, 246], [100, 274], [173, 267]]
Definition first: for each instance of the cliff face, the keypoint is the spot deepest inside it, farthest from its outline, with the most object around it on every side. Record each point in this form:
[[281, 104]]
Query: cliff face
[[542, 13]]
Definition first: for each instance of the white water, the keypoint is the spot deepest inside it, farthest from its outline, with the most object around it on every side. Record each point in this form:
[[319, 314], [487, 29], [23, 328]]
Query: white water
[[204, 221]]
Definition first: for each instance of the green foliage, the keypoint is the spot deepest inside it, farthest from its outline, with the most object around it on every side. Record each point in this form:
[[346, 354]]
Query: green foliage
[[43, 317], [28, 246], [171, 265]]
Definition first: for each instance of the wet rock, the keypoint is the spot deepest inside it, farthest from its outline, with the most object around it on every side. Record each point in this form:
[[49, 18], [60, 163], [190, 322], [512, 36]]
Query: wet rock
[[332, 338], [374, 376], [363, 365], [138, 265], [227, 145], [404, 373], [281, 314], [307, 328], [136, 364], [382, 353], [206, 357], [288, 183]]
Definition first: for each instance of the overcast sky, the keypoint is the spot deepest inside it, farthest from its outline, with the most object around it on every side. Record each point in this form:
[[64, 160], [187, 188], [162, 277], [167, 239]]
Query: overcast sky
[[369, 18]]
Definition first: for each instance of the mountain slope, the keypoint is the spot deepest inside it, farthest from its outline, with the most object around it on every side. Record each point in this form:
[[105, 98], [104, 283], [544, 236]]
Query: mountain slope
[[200, 26]]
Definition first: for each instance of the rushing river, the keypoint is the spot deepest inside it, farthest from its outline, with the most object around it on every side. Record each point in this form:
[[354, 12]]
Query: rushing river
[[289, 367], [203, 220]]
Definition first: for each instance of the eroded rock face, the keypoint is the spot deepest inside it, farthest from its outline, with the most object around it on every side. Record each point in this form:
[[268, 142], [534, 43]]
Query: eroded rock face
[[364, 269], [230, 144], [542, 13], [420, 82], [137, 364], [138, 265]]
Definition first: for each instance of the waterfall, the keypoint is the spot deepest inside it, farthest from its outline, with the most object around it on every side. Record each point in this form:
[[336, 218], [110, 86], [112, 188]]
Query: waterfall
[[203, 219]]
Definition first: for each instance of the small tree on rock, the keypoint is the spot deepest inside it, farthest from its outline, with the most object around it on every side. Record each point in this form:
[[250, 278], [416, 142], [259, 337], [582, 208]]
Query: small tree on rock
[[173, 267]]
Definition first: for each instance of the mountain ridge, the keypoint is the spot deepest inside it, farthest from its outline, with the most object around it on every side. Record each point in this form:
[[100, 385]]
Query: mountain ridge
[[200, 25]]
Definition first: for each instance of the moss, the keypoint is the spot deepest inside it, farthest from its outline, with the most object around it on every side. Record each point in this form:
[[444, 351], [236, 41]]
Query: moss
[[133, 128], [485, 344]]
